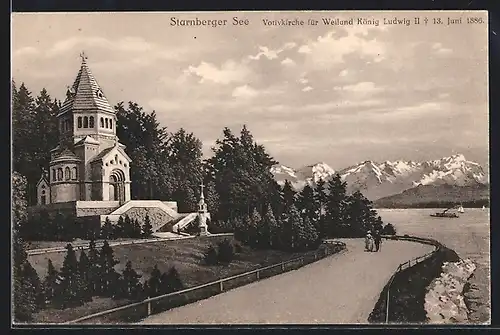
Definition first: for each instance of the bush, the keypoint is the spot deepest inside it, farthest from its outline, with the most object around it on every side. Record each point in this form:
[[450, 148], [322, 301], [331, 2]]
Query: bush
[[226, 252], [388, 230], [211, 256], [237, 248]]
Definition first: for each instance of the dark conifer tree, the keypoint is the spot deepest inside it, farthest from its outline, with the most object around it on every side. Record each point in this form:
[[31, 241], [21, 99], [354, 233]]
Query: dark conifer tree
[[335, 207], [131, 282], [84, 270], [94, 269], [147, 228], [119, 229], [51, 281], [24, 297], [154, 282], [69, 290], [107, 230], [108, 275], [171, 281], [321, 199], [136, 228]]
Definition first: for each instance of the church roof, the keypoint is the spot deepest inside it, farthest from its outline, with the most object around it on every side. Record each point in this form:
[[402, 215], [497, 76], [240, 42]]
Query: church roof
[[65, 155], [86, 139], [85, 94], [106, 151]]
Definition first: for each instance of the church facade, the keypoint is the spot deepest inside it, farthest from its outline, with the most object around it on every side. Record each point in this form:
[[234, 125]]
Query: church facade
[[89, 164], [89, 171]]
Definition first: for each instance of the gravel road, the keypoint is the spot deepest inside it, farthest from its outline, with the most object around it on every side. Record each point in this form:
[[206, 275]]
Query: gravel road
[[339, 289]]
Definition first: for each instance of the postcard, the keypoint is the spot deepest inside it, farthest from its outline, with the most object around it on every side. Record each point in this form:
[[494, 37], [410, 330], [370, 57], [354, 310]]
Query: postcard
[[242, 168]]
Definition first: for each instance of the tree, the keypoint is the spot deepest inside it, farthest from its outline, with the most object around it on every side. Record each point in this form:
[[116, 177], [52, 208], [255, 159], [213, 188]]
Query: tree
[[288, 195], [24, 297], [119, 230], [321, 198], [211, 257], [131, 281], [34, 134], [225, 252], [154, 282], [171, 281], [146, 143], [69, 290], [94, 269], [268, 229], [335, 206], [50, 283], [311, 236], [184, 160], [307, 205], [84, 270], [389, 229], [36, 286], [107, 230], [108, 275], [136, 228], [240, 170], [147, 228], [360, 216]]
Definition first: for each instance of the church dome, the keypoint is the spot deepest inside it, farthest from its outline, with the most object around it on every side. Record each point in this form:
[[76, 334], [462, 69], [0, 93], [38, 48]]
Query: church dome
[[65, 156]]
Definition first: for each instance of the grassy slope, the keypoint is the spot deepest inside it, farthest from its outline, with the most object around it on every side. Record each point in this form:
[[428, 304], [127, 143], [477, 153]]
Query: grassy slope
[[429, 193], [185, 255]]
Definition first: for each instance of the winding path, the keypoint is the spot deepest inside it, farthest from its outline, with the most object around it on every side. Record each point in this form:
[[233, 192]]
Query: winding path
[[339, 289]]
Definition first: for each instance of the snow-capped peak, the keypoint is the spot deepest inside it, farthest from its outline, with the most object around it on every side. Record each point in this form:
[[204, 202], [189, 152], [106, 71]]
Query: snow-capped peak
[[377, 180]]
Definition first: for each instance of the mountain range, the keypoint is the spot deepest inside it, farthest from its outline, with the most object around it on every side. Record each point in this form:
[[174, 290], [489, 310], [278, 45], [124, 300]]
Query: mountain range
[[377, 180]]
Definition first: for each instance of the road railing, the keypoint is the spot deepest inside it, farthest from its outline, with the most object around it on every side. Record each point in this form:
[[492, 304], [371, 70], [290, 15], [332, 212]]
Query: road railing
[[409, 263], [139, 310]]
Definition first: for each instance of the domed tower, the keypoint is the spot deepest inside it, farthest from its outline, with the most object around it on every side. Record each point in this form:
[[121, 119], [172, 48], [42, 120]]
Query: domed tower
[[89, 164], [64, 179]]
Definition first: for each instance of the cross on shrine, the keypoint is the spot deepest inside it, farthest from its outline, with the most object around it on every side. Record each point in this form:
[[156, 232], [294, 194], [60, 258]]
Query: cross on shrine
[[83, 56], [202, 186]]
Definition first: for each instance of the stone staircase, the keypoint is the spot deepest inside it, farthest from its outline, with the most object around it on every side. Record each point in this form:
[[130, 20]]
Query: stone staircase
[[184, 222]]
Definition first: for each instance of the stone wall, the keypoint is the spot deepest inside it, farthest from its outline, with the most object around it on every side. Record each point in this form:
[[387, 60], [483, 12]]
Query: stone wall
[[444, 302], [156, 215]]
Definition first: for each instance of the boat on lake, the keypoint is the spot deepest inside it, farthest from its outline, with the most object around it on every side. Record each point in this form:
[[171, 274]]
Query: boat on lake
[[445, 214]]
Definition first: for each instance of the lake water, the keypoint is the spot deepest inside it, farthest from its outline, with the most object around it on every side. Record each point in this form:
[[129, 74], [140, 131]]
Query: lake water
[[468, 236]]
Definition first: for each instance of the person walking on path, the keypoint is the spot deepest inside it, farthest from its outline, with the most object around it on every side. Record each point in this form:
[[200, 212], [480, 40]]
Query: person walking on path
[[378, 240]]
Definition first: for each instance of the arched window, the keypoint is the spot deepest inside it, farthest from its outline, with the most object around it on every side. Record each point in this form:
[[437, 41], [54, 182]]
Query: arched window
[[43, 198], [110, 124], [102, 123], [61, 126], [54, 176], [85, 122], [74, 174], [91, 122], [59, 174], [79, 122], [68, 124], [67, 173], [107, 124]]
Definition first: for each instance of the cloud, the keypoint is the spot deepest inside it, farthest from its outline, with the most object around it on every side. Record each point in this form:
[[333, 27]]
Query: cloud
[[328, 50], [303, 81], [343, 73], [228, 72], [440, 50], [415, 111], [288, 62], [272, 54], [307, 89], [244, 91], [25, 51], [365, 87]]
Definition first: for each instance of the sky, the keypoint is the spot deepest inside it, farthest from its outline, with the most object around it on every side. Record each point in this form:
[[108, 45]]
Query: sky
[[334, 94]]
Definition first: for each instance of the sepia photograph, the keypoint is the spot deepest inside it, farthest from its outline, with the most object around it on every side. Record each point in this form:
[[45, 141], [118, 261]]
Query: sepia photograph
[[250, 168]]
